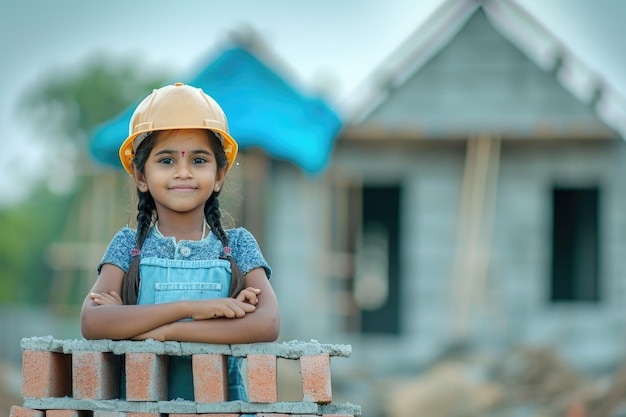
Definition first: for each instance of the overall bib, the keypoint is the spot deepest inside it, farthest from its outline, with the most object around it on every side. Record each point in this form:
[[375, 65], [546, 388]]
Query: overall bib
[[167, 280]]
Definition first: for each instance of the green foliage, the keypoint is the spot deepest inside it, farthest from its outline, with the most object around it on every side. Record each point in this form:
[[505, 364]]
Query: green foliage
[[62, 107], [72, 102], [27, 230]]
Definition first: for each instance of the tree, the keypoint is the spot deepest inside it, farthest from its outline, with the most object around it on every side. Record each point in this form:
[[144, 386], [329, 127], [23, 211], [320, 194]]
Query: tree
[[62, 108]]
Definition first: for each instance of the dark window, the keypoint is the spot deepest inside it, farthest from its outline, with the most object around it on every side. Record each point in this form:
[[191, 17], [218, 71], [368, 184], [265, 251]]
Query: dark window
[[376, 283], [575, 245]]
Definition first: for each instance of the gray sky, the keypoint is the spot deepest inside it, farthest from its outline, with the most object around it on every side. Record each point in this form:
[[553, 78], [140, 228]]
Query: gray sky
[[338, 40]]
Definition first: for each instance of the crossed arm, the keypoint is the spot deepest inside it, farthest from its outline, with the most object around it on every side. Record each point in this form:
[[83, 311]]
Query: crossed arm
[[250, 317]]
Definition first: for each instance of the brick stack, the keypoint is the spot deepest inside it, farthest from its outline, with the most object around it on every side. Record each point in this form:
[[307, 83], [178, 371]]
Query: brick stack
[[81, 378]]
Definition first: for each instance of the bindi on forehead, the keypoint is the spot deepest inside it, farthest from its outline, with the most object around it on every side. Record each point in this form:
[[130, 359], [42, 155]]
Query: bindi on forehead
[[182, 153]]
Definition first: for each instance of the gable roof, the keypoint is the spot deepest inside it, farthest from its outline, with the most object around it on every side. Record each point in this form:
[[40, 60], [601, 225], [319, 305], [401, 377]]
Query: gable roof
[[485, 67], [263, 110]]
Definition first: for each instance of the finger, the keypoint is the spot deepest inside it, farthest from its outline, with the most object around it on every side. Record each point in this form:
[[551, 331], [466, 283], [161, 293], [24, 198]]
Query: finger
[[246, 296], [247, 308], [243, 294], [241, 309], [96, 298], [116, 296], [230, 313]]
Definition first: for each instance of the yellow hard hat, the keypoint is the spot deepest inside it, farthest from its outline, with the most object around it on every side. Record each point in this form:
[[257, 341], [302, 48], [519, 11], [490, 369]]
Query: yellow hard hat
[[176, 106]]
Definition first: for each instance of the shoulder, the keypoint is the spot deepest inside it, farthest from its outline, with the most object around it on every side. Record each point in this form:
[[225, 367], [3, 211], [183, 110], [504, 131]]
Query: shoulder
[[119, 251], [127, 231], [125, 236], [240, 235], [241, 239], [246, 251]]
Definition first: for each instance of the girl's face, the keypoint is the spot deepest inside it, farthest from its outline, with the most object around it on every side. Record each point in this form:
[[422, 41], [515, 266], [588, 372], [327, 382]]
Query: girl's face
[[181, 172]]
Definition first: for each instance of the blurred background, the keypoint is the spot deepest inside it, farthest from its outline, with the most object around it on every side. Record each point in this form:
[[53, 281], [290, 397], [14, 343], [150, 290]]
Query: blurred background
[[437, 183]]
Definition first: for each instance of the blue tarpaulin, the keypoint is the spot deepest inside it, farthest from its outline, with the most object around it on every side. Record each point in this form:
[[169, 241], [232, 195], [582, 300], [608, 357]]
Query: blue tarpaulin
[[263, 110]]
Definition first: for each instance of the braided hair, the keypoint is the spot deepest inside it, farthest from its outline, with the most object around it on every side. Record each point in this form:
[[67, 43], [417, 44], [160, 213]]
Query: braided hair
[[146, 215]]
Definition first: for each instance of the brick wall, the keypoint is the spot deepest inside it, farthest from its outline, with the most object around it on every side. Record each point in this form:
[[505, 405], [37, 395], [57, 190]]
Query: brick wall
[[81, 378]]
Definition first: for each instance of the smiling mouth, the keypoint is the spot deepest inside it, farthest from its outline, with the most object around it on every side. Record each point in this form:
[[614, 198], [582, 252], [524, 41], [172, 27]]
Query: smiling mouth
[[183, 189]]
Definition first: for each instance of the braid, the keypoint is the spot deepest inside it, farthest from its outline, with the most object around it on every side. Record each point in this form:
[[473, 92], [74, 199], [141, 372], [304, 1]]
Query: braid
[[145, 210], [213, 215]]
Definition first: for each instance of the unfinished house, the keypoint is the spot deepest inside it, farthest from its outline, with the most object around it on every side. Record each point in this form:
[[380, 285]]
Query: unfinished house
[[475, 198]]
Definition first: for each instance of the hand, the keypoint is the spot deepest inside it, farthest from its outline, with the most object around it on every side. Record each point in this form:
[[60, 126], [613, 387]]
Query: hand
[[111, 298], [156, 334], [229, 308], [249, 295]]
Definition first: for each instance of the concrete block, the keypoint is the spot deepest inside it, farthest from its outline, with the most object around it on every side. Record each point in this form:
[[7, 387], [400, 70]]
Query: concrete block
[[177, 407], [273, 415], [107, 413], [347, 409], [47, 343], [337, 415], [68, 403], [228, 407], [281, 408], [189, 348], [207, 415], [293, 349], [134, 414], [84, 345]]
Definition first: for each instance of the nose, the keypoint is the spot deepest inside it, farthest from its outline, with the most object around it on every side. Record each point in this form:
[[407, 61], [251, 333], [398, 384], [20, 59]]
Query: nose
[[183, 169]]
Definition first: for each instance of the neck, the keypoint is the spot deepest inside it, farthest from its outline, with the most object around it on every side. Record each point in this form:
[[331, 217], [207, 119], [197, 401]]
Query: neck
[[183, 227]]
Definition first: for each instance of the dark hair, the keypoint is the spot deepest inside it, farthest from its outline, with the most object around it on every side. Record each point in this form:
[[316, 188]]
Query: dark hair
[[146, 215]]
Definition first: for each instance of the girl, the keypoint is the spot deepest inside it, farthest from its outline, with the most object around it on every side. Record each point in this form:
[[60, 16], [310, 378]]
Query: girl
[[180, 276]]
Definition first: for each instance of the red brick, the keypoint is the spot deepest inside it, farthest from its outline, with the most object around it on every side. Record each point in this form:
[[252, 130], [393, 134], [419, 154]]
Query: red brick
[[210, 378], [17, 411], [46, 374], [66, 413], [262, 386], [316, 385], [146, 377], [95, 375]]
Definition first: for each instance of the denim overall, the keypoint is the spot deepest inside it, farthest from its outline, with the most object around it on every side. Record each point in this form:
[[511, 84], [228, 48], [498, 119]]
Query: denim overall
[[167, 280]]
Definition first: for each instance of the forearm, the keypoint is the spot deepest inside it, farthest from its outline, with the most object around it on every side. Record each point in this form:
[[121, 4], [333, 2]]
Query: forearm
[[127, 321], [260, 326]]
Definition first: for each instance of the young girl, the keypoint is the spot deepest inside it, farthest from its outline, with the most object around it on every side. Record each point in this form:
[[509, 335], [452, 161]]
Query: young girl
[[180, 276]]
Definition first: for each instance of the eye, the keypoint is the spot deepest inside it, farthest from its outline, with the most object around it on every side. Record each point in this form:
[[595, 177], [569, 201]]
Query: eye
[[166, 161], [198, 160]]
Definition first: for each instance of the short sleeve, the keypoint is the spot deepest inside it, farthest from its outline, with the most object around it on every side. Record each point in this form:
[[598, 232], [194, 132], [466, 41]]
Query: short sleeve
[[119, 251], [246, 251]]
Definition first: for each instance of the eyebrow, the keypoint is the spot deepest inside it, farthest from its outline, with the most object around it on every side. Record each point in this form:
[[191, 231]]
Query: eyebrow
[[173, 152]]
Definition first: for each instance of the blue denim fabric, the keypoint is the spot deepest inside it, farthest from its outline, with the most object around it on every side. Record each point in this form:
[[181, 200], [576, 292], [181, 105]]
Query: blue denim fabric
[[168, 280]]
